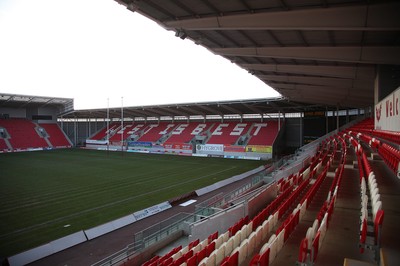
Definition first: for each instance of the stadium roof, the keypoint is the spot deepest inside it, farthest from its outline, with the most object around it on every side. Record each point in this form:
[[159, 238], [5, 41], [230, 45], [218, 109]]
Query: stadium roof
[[26, 101], [310, 51], [222, 108]]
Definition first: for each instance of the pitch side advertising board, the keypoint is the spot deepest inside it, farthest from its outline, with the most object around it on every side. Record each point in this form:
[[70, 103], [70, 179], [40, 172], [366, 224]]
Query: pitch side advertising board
[[387, 112], [215, 149], [178, 146], [140, 144], [259, 148]]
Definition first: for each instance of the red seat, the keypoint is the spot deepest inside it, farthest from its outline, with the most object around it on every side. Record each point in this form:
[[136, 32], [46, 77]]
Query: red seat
[[303, 250]]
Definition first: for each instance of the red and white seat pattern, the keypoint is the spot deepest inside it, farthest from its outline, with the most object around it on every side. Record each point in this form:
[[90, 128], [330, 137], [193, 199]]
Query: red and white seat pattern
[[228, 133], [184, 133]]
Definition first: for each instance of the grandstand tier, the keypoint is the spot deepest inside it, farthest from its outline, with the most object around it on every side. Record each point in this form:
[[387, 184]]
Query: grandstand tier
[[23, 134]]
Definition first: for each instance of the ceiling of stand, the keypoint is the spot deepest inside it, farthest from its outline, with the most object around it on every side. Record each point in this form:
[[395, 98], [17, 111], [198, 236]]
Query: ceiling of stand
[[311, 51]]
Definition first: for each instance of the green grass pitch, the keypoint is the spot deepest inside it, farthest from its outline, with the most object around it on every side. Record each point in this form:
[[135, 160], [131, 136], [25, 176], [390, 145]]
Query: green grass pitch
[[41, 192]]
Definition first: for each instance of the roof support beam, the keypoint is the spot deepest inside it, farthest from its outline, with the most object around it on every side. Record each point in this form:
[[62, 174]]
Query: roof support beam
[[315, 88], [365, 55], [361, 72], [230, 109], [333, 82], [360, 17]]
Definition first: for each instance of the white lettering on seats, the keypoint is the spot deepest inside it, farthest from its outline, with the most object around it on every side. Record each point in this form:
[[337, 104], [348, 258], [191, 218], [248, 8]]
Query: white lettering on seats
[[218, 130], [125, 128], [198, 129], [165, 131], [258, 128], [237, 131], [135, 129], [179, 129], [150, 128]]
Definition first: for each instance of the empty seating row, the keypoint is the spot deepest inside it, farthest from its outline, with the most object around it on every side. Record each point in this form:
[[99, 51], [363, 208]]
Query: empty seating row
[[391, 156], [275, 243], [377, 212], [372, 198], [310, 245]]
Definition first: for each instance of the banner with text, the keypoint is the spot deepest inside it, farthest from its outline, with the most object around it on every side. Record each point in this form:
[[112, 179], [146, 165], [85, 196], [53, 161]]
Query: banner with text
[[178, 146], [210, 149], [387, 112], [259, 148], [230, 148], [142, 144]]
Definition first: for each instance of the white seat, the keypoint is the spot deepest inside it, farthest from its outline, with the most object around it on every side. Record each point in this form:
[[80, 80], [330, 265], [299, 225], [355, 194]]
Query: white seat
[[243, 251], [245, 233], [271, 223], [303, 209], [375, 208], [258, 236], [204, 243], [310, 236], [226, 236], [235, 250], [229, 246], [197, 248], [373, 186], [237, 239], [264, 248], [275, 219], [376, 198], [220, 254], [212, 259], [219, 241], [250, 227], [281, 240], [265, 229], [203, 262], [374, 192], [272, 239], [185, 250], [272, 253], [252, 242], [177, 255], [315, 227]]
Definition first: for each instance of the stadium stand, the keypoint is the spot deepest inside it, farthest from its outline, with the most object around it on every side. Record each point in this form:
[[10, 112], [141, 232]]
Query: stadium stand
[[23, 134], [56, 136], [168, 133]]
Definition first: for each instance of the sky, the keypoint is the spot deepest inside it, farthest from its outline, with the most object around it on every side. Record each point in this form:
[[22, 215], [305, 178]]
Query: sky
[[101, 54]]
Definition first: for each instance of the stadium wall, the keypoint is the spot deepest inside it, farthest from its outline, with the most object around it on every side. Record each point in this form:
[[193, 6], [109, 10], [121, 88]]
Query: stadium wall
[[38, 115], [387, 112], [13, 112]]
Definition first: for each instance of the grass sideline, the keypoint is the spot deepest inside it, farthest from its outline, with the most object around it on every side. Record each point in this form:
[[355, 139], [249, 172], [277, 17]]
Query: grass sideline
[[46, 195]]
